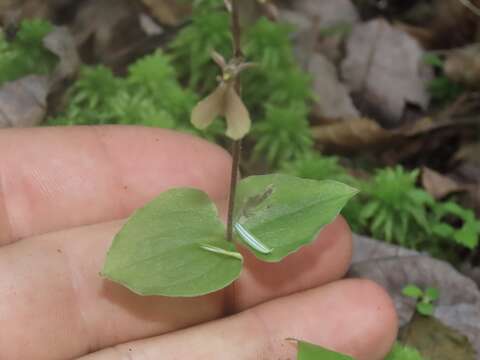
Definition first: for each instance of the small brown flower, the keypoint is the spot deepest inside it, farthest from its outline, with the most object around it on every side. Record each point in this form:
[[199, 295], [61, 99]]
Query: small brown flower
[[224, 101]]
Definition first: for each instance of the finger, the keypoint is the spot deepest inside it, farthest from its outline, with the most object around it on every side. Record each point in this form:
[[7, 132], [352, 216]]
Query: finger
[[56, 178], [355, 317], [52, 284]]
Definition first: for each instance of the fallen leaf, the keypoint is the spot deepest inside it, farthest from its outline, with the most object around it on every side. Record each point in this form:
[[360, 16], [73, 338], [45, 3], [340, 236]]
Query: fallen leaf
[[328, 12], [332, 98], [354, 134], [107, 31], [469, 171], [320, 26], [168, 12], [23, 102], [468, 153], [394, 267], [463, 66], [61, 42], [439, 185], [304, 35], [422, 139], [451, 25], [384, 68], [26, 9]]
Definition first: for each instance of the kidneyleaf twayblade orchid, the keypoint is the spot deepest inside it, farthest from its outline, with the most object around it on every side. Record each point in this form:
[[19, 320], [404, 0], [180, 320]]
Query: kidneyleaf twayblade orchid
[[224, 101]]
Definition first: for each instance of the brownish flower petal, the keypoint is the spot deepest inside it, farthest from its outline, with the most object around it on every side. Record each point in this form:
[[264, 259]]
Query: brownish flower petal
[[236, 114], [209, 108]]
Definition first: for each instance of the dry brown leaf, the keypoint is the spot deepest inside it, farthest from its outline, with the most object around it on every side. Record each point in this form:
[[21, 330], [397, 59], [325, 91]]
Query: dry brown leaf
[[354, 134], [402, 142], [26, 9], [463, 66], [106, 30], [384, 69], [329, 12], [469, 153], [332, 98], [451, 25], [61, 42], [23, 102], [439, 185], [168, 12]]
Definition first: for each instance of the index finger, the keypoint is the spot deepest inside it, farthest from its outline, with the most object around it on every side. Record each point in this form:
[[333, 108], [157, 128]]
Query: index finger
[[55, 178]]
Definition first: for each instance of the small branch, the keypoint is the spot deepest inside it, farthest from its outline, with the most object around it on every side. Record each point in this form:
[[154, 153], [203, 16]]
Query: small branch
[[236, 145]]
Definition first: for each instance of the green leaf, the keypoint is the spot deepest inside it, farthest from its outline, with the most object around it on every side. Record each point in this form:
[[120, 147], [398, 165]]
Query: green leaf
[[307, 351], [443, 230], [467, 235], [412, 291], [174, 246], [284, 212], [378, 221], [431, 294], [388, 229], [400, 352], [369, 210], [425, 308], [433, 59]]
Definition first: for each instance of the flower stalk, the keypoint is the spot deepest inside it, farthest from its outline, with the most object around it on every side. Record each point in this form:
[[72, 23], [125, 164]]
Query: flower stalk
[[236, 144]]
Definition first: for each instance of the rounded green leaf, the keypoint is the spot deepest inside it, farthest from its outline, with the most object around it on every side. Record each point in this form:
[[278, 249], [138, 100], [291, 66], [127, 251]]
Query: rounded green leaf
[[426, 309], [412, 291], [431, 294], [166, 247], [283, 212]]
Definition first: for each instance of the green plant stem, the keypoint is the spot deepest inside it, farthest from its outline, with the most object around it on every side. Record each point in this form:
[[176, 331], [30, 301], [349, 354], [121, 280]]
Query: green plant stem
[[237, 144]]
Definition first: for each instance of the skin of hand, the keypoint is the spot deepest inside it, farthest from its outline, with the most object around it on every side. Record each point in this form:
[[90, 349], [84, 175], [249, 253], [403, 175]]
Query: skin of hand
[[63, 195]]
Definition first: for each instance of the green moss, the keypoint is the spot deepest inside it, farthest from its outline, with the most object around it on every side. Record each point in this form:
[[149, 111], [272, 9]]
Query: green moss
[[25, 54], [191, 49], [317, 167], [150, 95], [283, 134]]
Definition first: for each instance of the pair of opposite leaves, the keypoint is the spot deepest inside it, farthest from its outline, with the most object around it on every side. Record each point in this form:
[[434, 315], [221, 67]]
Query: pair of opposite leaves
[[176, 246]]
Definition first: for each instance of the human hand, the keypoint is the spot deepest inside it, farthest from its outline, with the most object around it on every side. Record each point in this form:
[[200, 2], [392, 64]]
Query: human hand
[[62, 193]]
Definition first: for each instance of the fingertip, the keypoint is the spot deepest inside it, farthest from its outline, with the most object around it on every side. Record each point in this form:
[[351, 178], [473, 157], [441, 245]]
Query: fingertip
[[373, 314], [384, 328]]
